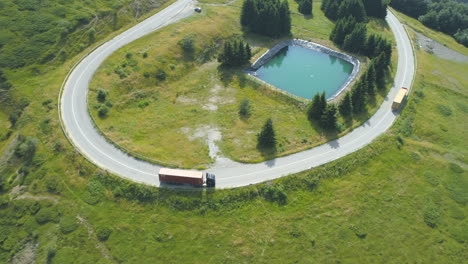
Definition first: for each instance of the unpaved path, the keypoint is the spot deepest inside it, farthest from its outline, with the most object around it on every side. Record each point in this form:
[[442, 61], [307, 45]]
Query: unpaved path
[[439, 50]]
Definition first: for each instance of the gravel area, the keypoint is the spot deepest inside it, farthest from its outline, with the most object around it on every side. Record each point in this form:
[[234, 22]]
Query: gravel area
[[439, 50]]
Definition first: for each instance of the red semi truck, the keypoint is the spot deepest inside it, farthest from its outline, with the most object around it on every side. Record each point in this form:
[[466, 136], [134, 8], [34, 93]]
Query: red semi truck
[[192, 177]]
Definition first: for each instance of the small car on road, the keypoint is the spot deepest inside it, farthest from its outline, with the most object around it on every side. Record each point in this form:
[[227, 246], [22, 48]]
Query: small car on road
[[198, 9]]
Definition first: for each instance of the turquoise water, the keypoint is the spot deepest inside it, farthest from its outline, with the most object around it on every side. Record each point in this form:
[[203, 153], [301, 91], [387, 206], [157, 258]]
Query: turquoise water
[[304, 72]]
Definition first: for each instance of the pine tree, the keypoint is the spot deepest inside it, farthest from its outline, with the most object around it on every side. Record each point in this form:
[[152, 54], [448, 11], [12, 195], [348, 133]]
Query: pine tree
[[345, 106], [370, 80], [330, 8], [343, 27], [371, 45], [284, 18], [380, 71], [267, 137], [328, 118], [267, 17], [358, 98], [305, 7], [375, 8], [248, 12], [354, 42], [353, 8], [317, 107], [248, 53]]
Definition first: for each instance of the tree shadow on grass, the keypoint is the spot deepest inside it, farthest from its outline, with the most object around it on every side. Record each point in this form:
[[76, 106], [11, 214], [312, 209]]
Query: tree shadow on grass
[[268, 153], [229, 74]]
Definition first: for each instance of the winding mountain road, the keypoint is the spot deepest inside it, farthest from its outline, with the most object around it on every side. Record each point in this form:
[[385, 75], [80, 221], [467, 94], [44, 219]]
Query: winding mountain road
[[80, 130]]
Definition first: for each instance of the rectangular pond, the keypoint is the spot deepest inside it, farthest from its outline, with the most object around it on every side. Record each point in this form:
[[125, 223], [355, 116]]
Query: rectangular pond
[[304, 72]]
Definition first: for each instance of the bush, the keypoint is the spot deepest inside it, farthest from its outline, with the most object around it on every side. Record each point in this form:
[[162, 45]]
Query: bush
[[101, 95], [187, 44], [27, 148], [432, 216], [244, 108], [68, 225], [444, 110], [274, 193], [161, 75], [103, 233], [103, 111], [46, 215]]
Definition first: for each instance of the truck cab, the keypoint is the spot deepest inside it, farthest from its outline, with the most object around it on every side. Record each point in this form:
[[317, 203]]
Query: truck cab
[[210, 180]]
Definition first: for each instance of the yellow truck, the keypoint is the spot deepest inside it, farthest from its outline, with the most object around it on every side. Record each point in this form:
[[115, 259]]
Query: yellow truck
[[399, 99]]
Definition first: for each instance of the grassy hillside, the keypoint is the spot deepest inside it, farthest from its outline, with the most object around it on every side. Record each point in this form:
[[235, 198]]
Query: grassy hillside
[[402, 199], [35, 31], [197, 98]]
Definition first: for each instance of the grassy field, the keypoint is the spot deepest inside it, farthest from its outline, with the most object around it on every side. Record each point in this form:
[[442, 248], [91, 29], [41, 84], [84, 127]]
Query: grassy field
[[198, 98], [402, 199]]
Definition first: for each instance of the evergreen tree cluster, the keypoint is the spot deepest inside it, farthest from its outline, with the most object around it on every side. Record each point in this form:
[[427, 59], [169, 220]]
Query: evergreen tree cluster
[[364, 90], [448, 16], [359, 9], [235, 53], [352, 36], [305, 7], [322, 112], [267, 17]]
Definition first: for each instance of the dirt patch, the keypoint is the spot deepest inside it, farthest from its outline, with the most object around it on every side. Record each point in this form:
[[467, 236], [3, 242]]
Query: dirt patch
[[215, 99], [26, 255], [210, 134], [37, 197], [186, 100], [433, 47]]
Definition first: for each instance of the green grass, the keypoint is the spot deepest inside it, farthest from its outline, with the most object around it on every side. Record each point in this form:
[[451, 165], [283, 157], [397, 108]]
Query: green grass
[[369, 207], [37, 32], [160, 113]]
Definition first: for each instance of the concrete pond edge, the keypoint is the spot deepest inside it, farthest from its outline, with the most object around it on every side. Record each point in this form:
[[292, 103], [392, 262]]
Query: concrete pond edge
[[312, 46]]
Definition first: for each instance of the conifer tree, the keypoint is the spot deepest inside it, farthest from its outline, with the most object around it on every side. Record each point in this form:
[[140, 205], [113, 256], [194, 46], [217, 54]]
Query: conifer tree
[[353, 8], [304, 7], [358, 98], [317, 107], [343, 27], [328, 118], [375, 8], [354, 41], [267, 137], [345, 107], [370, 80]]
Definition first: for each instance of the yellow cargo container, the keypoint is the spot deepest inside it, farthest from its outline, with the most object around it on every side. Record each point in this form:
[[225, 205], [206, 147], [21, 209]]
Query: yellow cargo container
[[399, 99]]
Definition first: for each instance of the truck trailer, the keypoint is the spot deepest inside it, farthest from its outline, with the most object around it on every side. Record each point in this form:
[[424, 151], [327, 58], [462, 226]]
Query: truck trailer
[[191, 177], [400, 98]]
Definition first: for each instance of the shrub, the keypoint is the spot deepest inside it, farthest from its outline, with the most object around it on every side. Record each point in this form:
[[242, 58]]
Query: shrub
[[26, 149], [432, 216], [244, 108], [187, 44], [444, 110], [274, 193], [103, 111], [161, 75], [68, 225], [103, 233], [101, 95], [46, 215]]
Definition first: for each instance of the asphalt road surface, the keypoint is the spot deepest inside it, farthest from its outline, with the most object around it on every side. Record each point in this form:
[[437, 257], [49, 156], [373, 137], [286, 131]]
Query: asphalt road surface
[[81, 132]]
